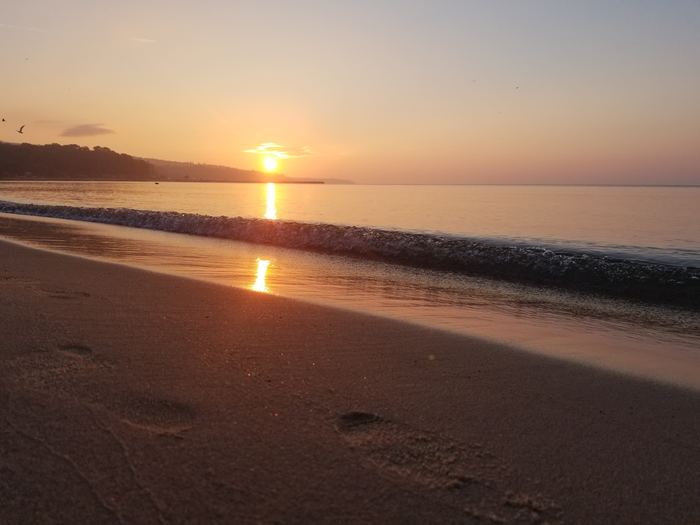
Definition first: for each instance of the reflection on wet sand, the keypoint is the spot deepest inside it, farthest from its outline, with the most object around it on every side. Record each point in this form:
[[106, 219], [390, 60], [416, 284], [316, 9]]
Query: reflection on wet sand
[[260, 276], [271, 206]]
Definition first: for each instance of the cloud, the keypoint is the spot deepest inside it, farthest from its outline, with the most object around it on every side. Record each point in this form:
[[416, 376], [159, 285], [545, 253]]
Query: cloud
[[86, 130], [142, 40], [22, 28], [272, 149], [50, 122]]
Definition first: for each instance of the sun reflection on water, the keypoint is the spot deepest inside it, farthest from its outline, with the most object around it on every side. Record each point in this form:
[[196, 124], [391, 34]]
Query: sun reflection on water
[[260, 275], [271, 207]]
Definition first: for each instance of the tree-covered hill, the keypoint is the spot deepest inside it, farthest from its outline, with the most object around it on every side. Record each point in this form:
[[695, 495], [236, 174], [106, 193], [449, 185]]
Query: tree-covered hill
[[71, 162]]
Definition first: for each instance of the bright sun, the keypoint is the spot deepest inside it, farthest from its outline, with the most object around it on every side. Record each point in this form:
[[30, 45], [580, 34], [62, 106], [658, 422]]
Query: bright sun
[[270, 164]]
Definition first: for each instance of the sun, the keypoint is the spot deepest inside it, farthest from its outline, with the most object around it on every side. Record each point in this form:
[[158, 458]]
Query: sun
[[270, 164]]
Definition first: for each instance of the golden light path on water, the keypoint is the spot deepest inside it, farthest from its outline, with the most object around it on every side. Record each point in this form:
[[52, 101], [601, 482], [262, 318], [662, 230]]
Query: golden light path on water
[[271, 205], [260, 276], [260, 284]]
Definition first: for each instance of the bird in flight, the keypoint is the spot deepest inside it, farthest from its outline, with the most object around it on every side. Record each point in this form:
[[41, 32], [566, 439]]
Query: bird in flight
[[20, 130], [3, 119]]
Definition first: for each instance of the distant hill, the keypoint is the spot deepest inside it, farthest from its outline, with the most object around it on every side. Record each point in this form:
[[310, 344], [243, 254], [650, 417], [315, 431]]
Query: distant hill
[[169, 170], [192, 172], [73, 162]]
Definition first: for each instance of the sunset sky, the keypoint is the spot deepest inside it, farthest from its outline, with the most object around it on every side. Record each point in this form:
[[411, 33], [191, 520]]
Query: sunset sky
[[374, 91]]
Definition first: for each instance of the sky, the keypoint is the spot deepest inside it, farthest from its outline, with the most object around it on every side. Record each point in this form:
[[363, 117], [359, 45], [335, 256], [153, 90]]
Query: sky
[[428, 92]]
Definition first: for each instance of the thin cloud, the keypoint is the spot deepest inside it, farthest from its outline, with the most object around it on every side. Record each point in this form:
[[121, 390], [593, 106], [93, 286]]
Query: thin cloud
[[86, 130], [142, 40], [50, 122], [22, 28], [272, 149]]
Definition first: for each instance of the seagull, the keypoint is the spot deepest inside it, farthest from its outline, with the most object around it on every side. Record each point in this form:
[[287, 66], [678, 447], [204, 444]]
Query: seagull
[[20, 130]]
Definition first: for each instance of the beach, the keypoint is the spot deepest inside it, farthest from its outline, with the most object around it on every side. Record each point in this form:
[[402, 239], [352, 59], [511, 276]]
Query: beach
[[350, 263], [136, 397]]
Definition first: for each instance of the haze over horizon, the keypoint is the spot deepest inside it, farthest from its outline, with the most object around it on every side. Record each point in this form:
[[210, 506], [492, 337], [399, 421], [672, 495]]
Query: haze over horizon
[[375, 92]]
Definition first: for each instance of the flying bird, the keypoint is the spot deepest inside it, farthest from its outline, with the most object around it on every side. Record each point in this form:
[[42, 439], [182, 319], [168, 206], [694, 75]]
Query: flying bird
[[3, 120], [20, 130]]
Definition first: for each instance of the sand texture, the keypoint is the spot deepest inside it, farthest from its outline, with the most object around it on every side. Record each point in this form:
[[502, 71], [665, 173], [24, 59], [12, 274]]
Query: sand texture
[[133, 397]]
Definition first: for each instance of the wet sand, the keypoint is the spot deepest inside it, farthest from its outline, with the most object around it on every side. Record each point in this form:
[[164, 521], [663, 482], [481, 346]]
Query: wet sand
[[134, 397]]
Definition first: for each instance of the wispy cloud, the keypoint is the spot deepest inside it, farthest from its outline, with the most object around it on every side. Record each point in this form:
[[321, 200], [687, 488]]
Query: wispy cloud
[[86, 130], [22, 28], [50, 122], [272, 149], [142, 40]]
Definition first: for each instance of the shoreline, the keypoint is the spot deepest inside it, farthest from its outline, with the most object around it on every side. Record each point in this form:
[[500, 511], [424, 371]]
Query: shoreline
[[209, 403], [488, 310], [567, 269]]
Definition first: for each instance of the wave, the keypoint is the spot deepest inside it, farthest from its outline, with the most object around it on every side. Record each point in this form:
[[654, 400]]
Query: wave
[[533, 264]]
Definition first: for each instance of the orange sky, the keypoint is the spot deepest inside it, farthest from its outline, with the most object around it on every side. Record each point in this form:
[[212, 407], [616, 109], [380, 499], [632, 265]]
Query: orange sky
[[376, 92]]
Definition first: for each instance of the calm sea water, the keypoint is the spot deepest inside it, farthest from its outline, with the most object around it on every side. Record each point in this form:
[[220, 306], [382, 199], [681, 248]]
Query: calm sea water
[[648, 223]]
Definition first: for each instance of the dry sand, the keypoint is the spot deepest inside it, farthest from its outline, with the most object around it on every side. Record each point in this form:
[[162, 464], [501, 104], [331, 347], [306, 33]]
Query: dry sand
[[133, 397]]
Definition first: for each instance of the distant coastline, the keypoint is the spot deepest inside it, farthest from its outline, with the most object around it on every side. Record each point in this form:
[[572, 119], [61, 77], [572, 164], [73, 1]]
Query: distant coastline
[[73, 163], [158, 181]]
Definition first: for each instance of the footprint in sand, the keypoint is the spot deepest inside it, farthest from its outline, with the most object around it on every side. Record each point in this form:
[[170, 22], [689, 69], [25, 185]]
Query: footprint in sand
[[465, 477], [13, 279], [158, 416], [65, 294], [76, 349], [36, 285]]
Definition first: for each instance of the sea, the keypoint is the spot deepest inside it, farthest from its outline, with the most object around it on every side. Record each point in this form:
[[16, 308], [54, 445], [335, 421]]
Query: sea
[[605, 276]]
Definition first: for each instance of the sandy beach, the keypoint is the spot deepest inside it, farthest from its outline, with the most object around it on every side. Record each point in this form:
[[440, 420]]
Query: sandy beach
[[134, 397]]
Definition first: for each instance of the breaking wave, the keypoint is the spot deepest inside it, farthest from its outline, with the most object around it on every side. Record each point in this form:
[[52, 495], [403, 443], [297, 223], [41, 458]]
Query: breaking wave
[[563, 268]]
